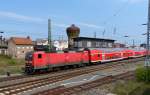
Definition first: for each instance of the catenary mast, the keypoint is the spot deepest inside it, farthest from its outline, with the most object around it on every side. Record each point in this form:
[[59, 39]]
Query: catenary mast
[[49, 35], [147, 61]]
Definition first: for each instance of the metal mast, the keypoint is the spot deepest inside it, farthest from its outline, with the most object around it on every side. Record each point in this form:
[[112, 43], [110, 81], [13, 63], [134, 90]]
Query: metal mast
[[49, 35], [147, 61]]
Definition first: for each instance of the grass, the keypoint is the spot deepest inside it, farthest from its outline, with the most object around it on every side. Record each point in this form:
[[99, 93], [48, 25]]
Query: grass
[[131, 88], [7, 64]]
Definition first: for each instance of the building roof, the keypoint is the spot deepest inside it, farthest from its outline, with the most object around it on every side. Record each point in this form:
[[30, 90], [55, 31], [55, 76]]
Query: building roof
[[21, 41], [93, 39]]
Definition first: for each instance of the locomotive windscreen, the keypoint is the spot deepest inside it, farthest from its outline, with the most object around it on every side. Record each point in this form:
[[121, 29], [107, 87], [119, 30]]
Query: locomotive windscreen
[[28, 56]]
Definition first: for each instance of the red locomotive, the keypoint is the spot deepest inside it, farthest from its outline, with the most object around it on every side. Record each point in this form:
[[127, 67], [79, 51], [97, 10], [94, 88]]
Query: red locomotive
[[41, 60]]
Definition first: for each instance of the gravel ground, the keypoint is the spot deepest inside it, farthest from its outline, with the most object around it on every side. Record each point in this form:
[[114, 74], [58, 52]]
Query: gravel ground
[[106, 89], [102, 90]]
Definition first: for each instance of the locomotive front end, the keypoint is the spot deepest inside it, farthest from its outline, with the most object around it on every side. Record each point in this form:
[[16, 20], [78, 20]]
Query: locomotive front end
[[29, 63]]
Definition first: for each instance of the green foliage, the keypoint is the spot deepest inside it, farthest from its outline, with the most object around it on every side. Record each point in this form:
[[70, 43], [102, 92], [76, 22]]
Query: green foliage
[[5, 56], [125, 88], [12, 62], [9, 64], [143, 74]]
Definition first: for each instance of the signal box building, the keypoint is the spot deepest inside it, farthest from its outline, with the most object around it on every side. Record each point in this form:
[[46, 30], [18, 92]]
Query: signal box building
[[85, 42]]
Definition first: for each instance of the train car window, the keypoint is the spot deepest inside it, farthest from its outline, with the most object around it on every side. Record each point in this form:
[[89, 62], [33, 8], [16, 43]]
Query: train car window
[[98, 55], [39, 56]]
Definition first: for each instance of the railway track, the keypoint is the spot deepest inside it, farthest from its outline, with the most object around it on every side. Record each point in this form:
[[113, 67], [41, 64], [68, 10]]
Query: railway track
[[9, 78], [62, 90], [28, 85]]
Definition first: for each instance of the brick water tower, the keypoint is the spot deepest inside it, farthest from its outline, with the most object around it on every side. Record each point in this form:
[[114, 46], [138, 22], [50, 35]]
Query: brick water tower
[[72, 32]]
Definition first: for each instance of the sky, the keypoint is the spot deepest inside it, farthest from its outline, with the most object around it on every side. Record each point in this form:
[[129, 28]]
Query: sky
[[118, 18]]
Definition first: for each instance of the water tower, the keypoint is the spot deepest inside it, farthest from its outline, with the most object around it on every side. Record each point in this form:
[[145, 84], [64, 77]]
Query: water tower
[[72, 32]]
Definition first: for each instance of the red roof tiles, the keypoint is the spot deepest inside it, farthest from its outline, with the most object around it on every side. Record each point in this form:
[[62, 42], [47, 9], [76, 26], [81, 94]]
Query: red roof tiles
[[21, 41]]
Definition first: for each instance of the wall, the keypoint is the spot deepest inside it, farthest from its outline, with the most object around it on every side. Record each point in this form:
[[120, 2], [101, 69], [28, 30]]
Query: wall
[[21, 50]]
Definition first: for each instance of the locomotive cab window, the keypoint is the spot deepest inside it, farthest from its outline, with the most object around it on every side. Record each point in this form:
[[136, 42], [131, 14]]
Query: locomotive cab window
[[39, 56]]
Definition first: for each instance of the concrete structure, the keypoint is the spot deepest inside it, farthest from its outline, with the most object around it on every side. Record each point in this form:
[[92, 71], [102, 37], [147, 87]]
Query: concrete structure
[[3, 46], [4, 50], [18, 47], [85, 42]]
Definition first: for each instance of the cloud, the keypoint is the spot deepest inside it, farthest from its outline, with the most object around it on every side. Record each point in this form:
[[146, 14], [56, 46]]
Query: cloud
[[19, 17], [133, 1], [60, 25], [89, 25], [24, 18], [81, 24]]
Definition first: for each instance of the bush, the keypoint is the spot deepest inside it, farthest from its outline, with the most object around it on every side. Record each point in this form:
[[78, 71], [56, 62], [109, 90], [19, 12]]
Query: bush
[[143, 74]]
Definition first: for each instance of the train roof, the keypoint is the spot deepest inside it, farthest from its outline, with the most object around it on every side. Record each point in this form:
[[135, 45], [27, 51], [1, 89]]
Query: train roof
[[106, 50]]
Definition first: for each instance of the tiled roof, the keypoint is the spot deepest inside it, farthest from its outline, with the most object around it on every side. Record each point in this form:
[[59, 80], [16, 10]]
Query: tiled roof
[[21, 41]]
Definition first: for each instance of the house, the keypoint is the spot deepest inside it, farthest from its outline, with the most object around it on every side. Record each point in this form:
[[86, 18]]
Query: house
[[18, 47]]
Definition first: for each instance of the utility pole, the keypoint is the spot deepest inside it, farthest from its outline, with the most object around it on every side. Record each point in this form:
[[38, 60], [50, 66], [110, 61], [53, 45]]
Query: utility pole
[[147, 63], [49, 35]]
